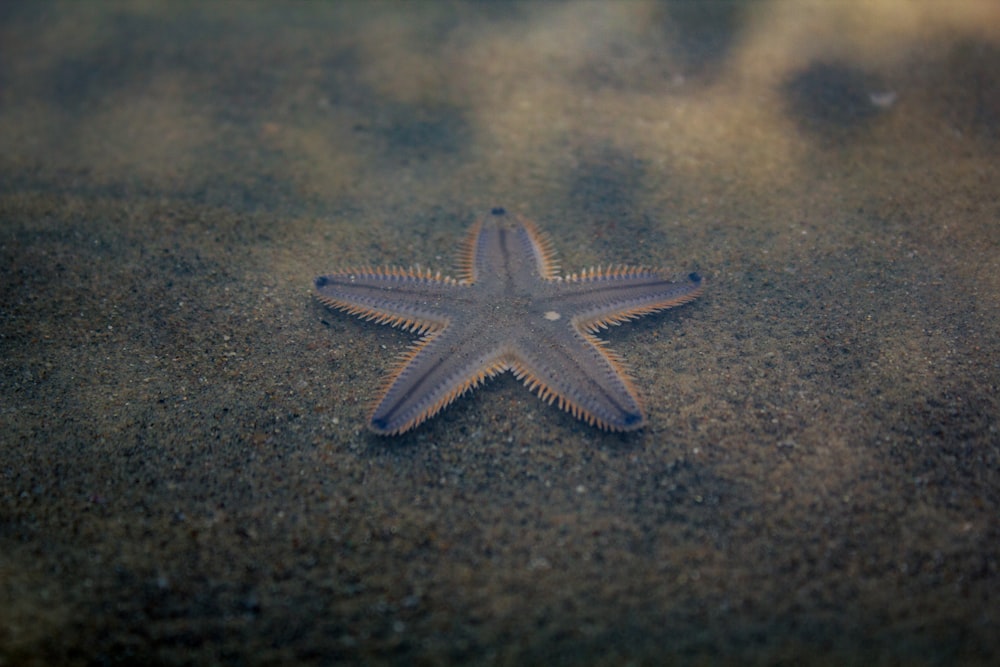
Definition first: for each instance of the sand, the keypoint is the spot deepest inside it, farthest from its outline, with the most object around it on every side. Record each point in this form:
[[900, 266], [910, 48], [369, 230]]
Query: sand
[[185, 474]]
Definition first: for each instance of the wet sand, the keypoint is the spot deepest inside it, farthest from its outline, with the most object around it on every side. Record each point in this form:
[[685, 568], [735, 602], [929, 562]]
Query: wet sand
[[185, 476]]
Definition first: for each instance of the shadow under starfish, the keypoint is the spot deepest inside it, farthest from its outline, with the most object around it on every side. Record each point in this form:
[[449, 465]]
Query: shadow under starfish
[[508, 310]]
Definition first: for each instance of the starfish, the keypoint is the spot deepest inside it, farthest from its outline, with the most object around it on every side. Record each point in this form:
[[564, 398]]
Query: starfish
[[508, 310]]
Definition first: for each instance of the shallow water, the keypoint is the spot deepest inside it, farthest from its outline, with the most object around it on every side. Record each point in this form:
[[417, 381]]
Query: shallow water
[[185, 476]]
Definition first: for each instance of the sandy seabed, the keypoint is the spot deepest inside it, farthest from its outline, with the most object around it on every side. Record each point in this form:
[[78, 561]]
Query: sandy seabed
[[185, 476]]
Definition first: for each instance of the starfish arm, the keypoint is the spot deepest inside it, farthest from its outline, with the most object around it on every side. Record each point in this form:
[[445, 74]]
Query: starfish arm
[[599, 297], [581, 375], [411, 299], [501, 243], [435, 371]]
